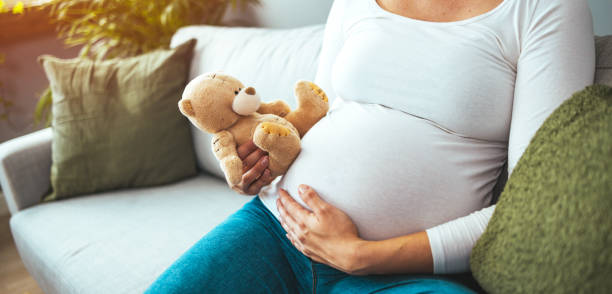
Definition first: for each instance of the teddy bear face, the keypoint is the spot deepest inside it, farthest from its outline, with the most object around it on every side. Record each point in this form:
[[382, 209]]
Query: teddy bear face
[[208, 99]]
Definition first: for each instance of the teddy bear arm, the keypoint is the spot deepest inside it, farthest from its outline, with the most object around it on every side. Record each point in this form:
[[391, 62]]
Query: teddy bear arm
[[278, 107], [224, 148]]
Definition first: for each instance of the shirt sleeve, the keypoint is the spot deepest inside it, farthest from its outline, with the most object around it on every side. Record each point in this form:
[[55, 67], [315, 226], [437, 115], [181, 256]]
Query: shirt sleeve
[[557, 59], [451, 243], [333, 39]]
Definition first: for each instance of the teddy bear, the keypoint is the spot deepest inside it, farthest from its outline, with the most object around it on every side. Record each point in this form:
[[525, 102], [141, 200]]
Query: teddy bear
[[220, 104]]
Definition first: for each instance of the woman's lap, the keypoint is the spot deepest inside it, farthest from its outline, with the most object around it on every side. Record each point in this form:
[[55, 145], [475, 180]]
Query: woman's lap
[[238, 256], [249, 253]]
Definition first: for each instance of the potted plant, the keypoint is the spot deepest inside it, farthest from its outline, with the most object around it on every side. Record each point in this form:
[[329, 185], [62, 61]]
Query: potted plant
[[121, 28]]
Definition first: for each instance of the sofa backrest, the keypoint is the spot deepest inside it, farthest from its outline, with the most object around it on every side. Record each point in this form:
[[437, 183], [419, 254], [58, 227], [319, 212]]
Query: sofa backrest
[[270, 60]]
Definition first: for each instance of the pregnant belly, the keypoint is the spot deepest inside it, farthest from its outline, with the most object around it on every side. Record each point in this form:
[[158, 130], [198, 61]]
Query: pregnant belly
[[391, 172]]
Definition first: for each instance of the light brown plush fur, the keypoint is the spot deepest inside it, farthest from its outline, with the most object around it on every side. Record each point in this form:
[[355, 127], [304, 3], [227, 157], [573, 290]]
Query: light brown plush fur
[[207, 102]]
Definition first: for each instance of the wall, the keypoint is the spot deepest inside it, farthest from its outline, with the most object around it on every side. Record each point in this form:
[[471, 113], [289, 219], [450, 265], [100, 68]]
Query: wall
[[602, 16], [23, 79], [282, 13], [3, 206]]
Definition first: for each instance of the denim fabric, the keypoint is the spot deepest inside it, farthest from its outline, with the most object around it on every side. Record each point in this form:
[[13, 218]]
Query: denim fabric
[[249, 253]]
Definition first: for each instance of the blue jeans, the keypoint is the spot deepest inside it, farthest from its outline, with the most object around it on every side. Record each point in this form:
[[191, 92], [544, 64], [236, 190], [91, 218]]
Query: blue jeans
[[249, 253]]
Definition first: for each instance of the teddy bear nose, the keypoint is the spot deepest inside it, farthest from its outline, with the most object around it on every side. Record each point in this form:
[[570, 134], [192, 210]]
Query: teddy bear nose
[[246, 102]]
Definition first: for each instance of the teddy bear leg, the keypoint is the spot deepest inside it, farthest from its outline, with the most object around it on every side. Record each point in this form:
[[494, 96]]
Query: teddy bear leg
[[312, 106], [224, 147], [281, 143]]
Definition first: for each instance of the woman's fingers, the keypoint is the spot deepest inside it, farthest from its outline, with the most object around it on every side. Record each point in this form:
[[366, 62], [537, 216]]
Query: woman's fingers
[[312, 199], [296, 243], [251, 159], [245, 149], [264, 180], [302, 248], [314, 257], [296, 210], [254, 165], [253, 174], [287, 221]]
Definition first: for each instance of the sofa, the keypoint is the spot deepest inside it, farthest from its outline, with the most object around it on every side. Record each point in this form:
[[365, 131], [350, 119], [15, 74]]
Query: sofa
[[120, 241]]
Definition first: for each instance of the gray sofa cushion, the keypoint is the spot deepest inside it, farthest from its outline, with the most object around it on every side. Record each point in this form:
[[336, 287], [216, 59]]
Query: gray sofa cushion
[[603, 70], [118, 242]]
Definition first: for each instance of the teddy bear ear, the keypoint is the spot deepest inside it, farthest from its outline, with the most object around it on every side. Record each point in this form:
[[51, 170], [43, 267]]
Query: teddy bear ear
[[186, 108]]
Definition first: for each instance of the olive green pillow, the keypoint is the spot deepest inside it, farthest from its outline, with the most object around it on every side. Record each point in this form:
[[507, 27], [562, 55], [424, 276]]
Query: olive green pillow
[[116, 123], [551, 231]]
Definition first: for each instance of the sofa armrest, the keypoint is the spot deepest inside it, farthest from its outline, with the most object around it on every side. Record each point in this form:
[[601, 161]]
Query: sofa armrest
[[25, 168]]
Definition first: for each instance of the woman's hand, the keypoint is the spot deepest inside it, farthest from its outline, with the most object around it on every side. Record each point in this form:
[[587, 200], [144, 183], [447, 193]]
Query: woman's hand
[[255, 171], [325, 234]]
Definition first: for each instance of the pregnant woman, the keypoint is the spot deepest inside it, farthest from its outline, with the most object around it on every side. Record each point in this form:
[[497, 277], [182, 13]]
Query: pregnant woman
[[431, 99]]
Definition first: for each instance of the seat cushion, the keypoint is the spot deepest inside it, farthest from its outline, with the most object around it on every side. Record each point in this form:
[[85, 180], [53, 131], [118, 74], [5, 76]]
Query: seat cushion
[[118, 242]]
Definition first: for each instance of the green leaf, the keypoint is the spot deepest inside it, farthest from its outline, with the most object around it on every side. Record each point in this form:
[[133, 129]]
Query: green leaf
[[43, 108]]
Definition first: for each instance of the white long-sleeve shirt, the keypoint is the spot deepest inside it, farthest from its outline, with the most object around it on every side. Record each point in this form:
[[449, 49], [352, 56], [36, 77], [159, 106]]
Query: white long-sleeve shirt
[[426, 114]]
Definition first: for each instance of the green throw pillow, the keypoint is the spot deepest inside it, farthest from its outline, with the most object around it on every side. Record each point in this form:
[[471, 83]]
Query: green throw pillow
[[552, 229], [116, 123]]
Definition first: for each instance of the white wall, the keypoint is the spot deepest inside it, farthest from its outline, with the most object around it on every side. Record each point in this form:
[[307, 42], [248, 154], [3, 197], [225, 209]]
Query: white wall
[[280, 13], [602, 16]]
